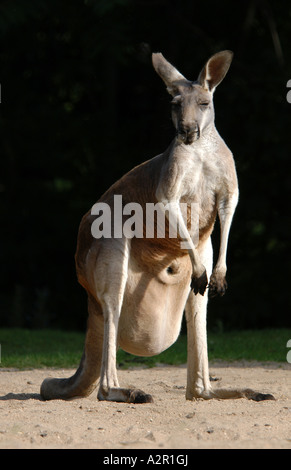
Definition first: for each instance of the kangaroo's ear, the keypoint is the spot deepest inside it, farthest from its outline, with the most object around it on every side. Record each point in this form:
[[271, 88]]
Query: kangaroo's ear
[[215, 70], [168, 73]]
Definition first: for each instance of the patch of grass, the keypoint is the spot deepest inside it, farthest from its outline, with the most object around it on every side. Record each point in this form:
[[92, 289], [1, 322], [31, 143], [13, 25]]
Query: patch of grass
[[22, 348], [249, 345]]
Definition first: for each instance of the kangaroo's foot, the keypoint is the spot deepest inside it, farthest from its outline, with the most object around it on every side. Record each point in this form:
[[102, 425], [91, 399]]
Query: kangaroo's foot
[[257, 396], [65, 389], [224, 393], [199, 284], [127, 395]]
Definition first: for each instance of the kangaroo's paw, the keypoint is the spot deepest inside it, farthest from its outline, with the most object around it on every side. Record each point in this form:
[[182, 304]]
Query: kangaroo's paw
[[217, 285], [127, 395], [199, 284]]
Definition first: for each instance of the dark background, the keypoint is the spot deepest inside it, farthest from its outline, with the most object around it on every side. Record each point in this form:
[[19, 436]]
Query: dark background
[[81, 105]]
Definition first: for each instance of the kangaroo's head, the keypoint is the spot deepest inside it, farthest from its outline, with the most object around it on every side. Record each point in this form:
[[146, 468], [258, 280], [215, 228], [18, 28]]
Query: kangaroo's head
[[192, 104]]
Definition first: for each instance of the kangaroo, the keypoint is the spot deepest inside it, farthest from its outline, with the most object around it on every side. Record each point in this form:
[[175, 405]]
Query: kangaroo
[[139, 287]]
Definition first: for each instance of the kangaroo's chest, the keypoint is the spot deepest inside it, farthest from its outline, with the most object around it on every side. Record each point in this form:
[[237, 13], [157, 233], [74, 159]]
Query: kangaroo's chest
[[200, 185]]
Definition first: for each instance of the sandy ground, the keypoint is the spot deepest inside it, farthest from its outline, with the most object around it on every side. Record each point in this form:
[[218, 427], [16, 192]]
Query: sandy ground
[[170, 422]]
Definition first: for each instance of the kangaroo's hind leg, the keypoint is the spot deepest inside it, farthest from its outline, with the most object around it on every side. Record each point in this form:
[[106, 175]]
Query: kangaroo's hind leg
[[110, 280], [198, 384], [84, 381]]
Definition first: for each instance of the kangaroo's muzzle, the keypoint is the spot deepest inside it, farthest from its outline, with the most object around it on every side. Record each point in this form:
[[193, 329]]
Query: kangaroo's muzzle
[[188, 134]]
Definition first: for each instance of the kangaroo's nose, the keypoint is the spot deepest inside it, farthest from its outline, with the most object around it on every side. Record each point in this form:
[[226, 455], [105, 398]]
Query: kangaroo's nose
[[189, 132]]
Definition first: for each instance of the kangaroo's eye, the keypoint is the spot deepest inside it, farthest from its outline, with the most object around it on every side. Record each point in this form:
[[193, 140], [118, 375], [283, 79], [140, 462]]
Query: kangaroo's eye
[[176, 101], [204, 104]]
